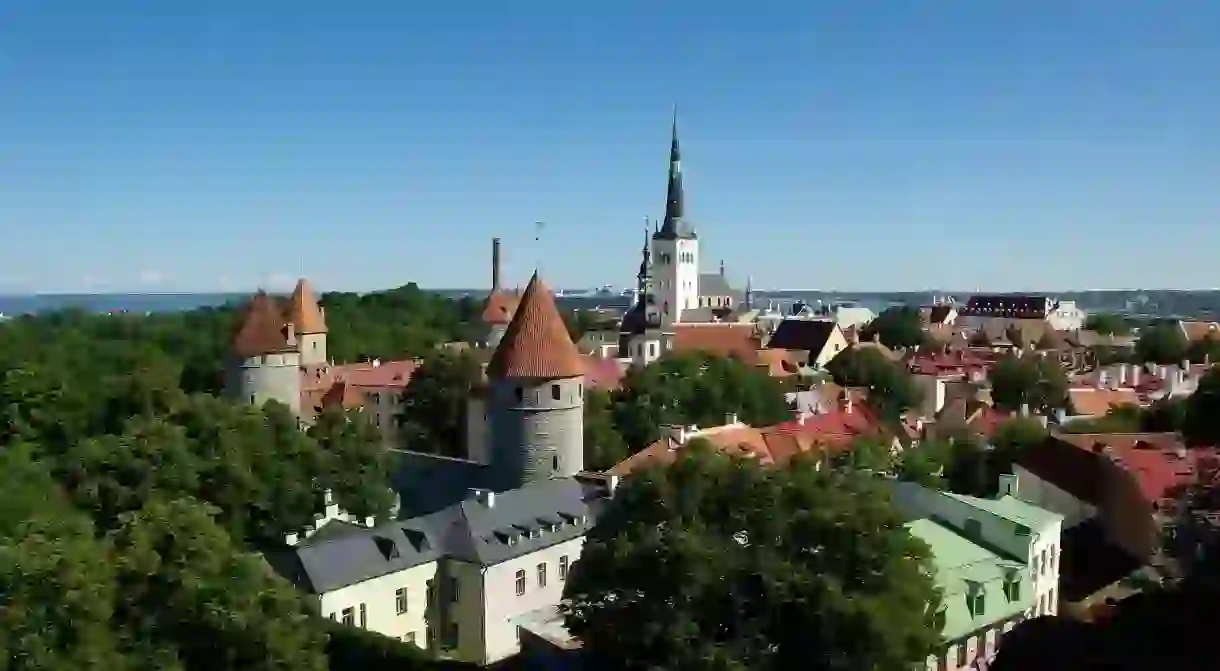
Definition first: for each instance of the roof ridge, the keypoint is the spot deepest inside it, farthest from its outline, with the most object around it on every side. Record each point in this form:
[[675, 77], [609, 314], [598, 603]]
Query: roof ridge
[[536, 343]]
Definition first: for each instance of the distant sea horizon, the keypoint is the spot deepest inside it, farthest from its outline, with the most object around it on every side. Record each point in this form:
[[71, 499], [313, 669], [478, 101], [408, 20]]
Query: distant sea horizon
[[12, 305]]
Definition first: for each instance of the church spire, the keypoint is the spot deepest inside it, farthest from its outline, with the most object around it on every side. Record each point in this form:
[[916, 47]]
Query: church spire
[[674, 226]]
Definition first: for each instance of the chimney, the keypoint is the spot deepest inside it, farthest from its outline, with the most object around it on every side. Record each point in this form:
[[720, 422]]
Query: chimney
[[1025, 410], [485, 497], [722, 267], [730, 419], [290, 539], [1135, 375], [495, 264], [1102, 379], [847, 403], [376, 363], [1008, 485], [370, 521], [1122, 375]]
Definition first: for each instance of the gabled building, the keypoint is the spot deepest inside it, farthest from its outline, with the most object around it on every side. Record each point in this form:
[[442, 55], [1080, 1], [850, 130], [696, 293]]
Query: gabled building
[[821, 339], [461, 581], [997, 564]]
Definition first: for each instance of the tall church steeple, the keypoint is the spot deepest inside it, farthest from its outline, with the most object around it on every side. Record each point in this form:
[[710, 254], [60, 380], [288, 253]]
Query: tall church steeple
[[674, 225]]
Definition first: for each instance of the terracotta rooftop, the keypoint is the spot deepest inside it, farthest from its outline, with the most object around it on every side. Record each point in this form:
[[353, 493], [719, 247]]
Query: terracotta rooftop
[[536, 343], [303, 310], [602, 373], [830, 431], [1197, 330], [728, 340], [1093, 401], [500, 307], [262, 329], [1158, 462]]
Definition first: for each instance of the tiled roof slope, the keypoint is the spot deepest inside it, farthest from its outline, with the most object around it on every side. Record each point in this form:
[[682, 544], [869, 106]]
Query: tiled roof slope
[[536, 343], [303, 310], [262, 329], [500, 306]]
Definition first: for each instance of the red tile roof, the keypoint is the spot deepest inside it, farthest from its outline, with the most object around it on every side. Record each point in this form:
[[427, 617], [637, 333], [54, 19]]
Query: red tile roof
[[500, 307], [536, 343], [303, 310], [262, 329], [730, 340], [602, 373], [1159, 462], [828, 432], [1095, 402]]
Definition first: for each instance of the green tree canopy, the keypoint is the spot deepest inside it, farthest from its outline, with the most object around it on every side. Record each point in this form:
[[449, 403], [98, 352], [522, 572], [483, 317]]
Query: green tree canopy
[[604, 447], [1206, 350], [694, 388], [1031, 379], [896, 327], [1201, 423], [1162, 343], [891, 389], [720, 563], [434, 404], [1108, 323]]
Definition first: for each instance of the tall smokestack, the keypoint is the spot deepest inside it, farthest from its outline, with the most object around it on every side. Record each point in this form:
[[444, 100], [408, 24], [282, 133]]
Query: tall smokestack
[[495, 264]]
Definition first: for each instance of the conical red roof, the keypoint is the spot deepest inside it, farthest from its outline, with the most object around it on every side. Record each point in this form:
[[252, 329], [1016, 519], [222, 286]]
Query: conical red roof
[[303, 310], [262, 329], [536, 343]]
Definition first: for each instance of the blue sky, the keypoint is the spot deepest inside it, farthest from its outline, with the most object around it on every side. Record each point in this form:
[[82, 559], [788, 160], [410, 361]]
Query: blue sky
[[854, 145]]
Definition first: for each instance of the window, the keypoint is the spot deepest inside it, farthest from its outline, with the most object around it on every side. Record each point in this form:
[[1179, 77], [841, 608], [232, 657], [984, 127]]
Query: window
[[542, 575], [563, 567], [520, 582], [555, 392], [520, 394], [451, 636], [519, 633], [428, 594], [1044, 561], [409, 637], [334, 617], [376, 397], [1014, 590], [349, 616], [252, 399], [400, 600], [315, 345], [364, 617], [977, 604], [453, 590], [555, 464]]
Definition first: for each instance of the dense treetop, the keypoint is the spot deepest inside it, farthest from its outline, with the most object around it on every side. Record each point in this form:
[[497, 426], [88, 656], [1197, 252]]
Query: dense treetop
[[134, 500], [720, 563]]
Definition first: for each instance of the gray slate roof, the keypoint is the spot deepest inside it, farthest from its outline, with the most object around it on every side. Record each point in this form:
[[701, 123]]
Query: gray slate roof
[[715, 284], [518, 522]]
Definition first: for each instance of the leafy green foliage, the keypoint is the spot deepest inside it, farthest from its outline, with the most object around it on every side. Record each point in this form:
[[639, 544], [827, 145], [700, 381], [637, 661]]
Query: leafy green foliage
[[1162, 343], [133, 498], [433, 412], [871, 455], [891, 389], [1201, 424], [1108, 323], [1031, 379], [694, 388], [604, 447], [1206, 350], [896, 327], [926, 463], [720, 563]]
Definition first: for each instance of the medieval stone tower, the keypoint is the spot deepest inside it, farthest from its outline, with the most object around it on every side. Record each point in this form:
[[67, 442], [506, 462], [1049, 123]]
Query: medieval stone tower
[[309, 320], [271, 344], [675, 247], [536, 395]]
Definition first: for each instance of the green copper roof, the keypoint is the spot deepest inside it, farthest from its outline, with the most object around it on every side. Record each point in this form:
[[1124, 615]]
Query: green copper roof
[[1012, 509], [965, 569]]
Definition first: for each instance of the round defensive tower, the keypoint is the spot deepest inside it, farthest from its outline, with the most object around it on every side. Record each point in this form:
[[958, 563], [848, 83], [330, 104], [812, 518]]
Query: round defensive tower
[[264, 363], [536, 395]]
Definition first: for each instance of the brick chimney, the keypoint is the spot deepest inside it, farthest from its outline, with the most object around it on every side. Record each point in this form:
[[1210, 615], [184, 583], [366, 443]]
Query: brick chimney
[[495, 264]]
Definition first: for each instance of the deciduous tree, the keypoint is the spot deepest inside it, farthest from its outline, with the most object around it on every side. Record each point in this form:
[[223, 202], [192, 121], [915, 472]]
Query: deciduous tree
[[1162, 343], [1029, 380], [890, 387], [434, 404], [720, 563], [896, 327]]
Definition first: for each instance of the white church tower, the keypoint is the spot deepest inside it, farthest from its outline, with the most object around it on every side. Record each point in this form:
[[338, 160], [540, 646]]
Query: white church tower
[[675, 248]]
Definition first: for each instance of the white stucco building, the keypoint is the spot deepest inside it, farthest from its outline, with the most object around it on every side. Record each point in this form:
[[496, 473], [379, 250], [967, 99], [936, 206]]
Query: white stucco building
[[459, 581]]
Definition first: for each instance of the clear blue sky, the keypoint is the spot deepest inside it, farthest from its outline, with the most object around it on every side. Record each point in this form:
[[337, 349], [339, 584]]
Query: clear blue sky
[[201, 145]]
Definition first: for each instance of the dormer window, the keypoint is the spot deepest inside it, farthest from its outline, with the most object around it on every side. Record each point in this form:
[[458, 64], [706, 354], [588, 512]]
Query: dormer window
[[976, 602]]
